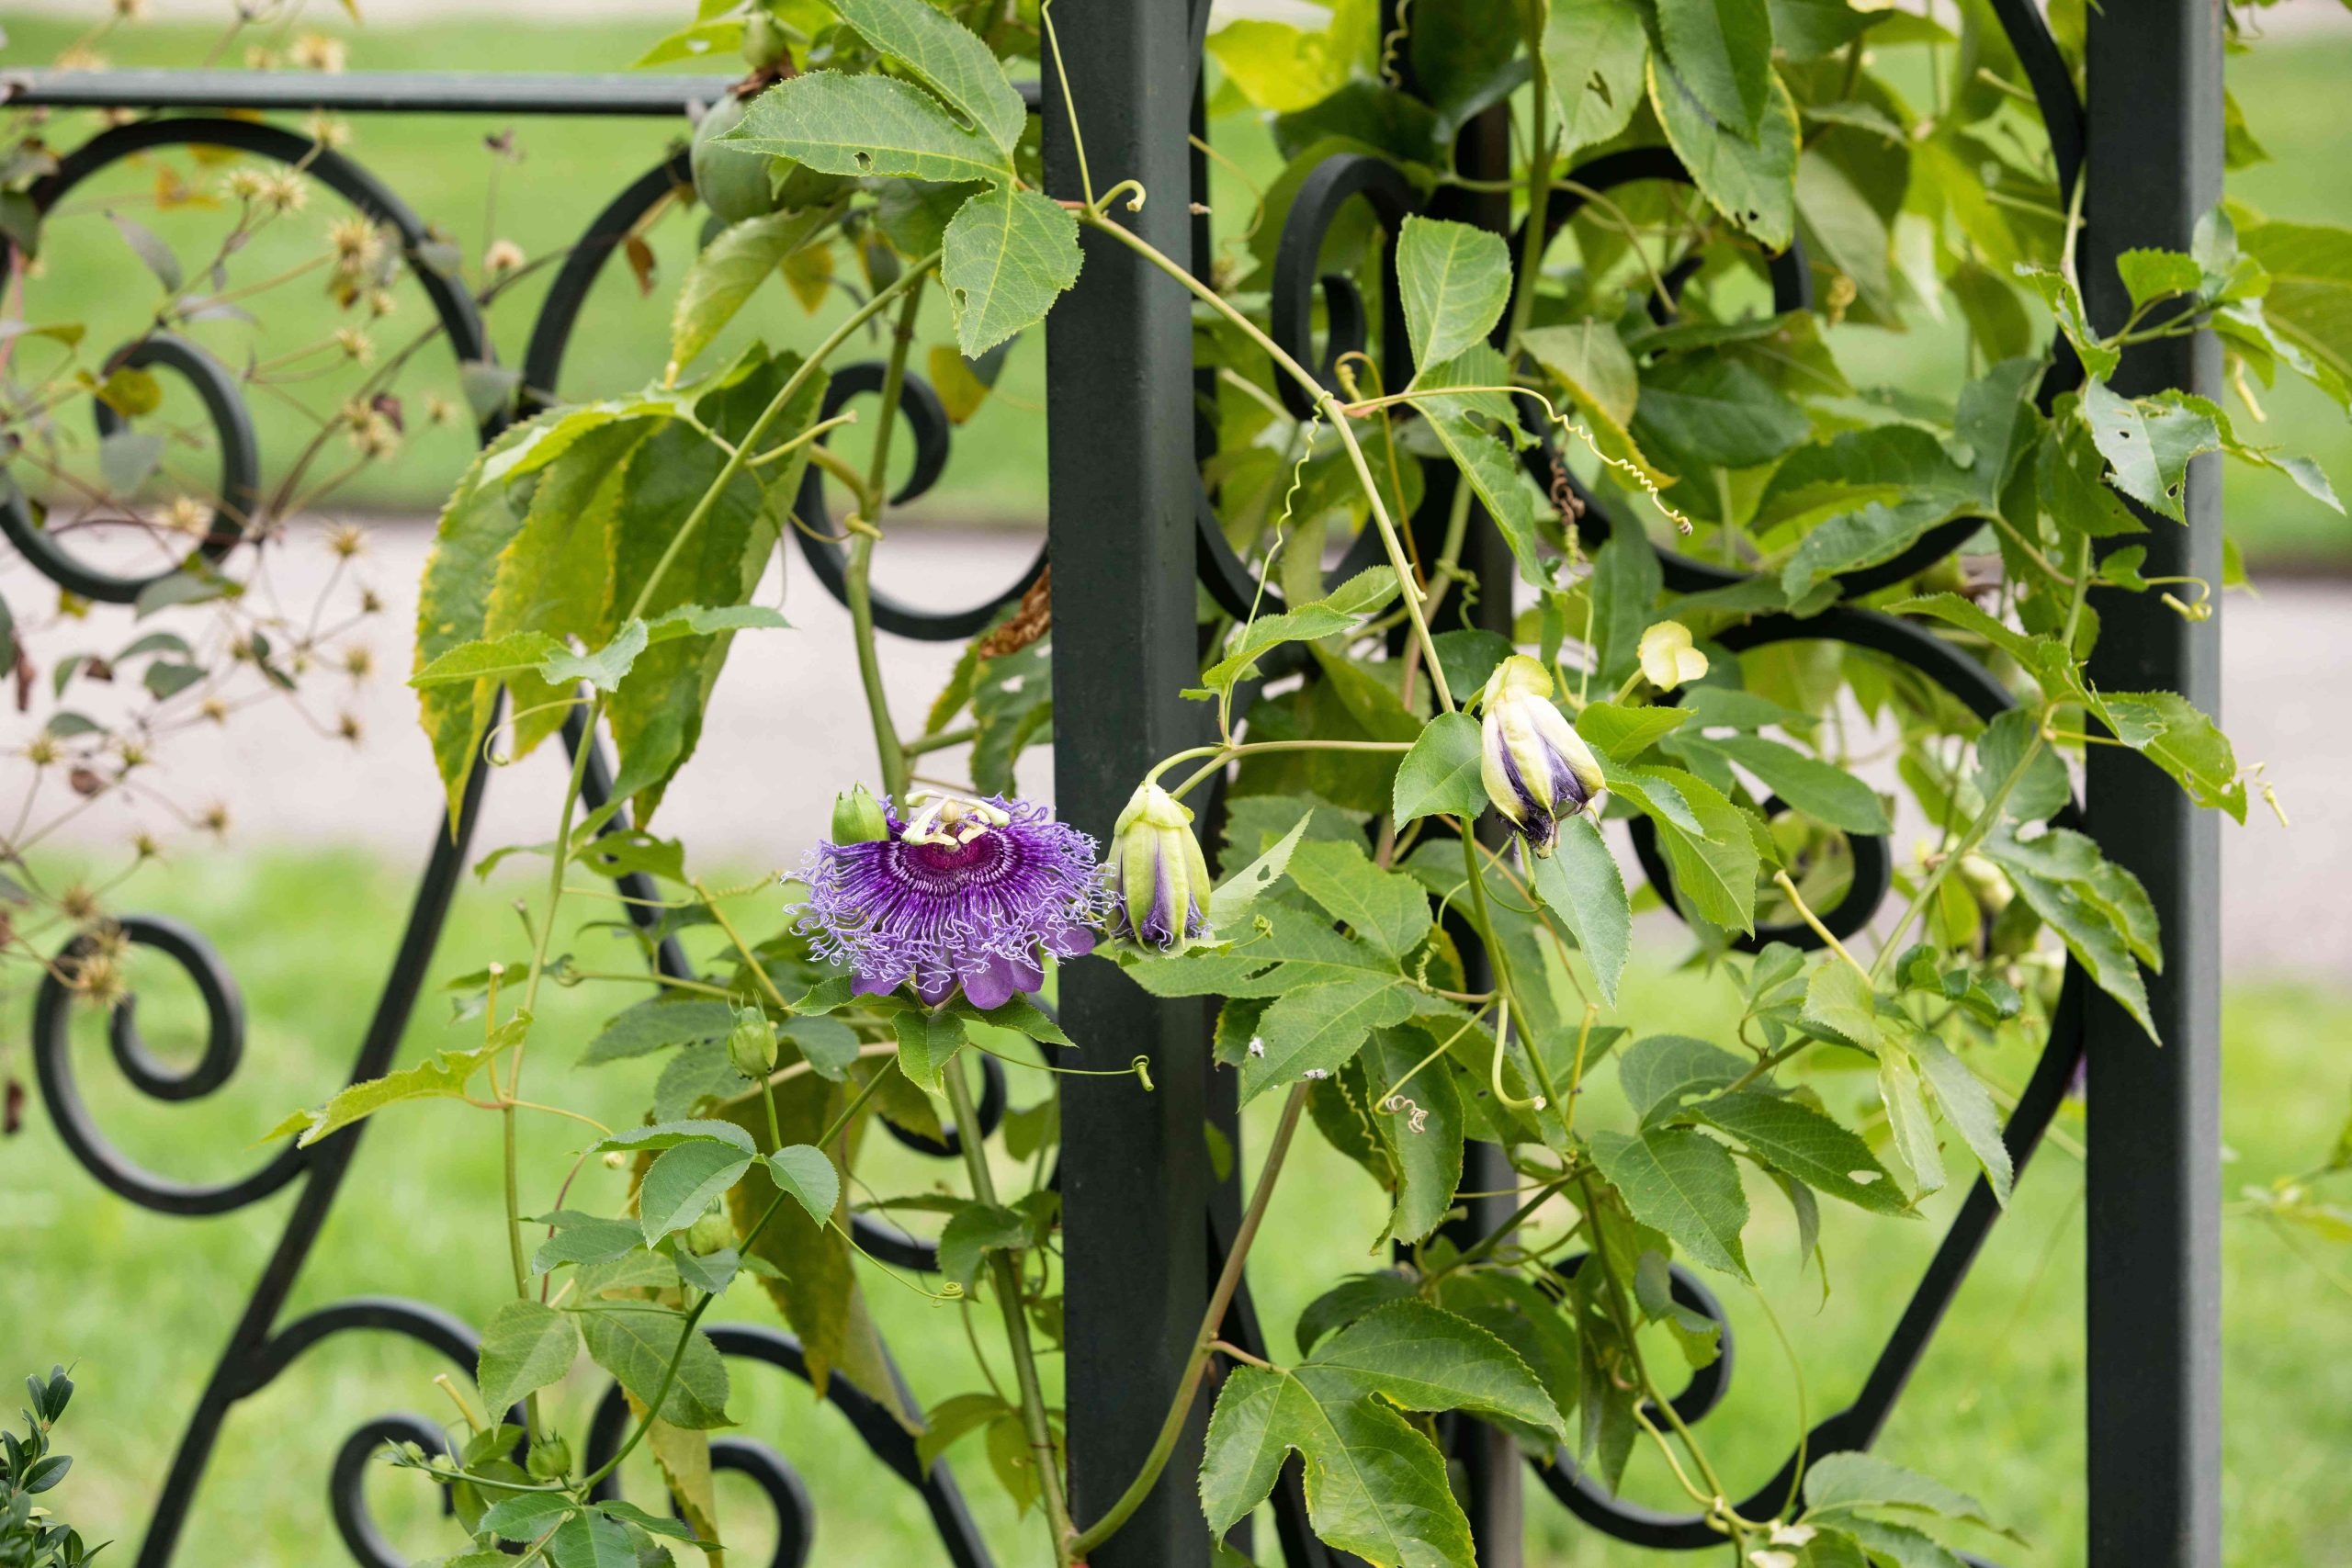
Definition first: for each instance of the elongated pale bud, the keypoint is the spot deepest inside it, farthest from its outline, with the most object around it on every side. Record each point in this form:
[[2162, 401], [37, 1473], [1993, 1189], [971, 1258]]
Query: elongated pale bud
[[858, 818], [1157, 874], [1535, 767]]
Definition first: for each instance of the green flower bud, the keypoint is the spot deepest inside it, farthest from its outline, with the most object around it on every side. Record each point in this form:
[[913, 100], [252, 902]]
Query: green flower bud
[[711, 1233], [1158, 874], [550, 1458], [858, 818], [752, 1044]]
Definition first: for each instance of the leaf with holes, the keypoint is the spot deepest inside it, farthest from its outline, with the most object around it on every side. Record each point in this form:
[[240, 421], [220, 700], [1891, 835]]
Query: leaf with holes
[[1593, 54], [1008, 255], [1751, 181], [948, 58], [1801, 1142], [2148, 443], [841, 124], [1723, 51]]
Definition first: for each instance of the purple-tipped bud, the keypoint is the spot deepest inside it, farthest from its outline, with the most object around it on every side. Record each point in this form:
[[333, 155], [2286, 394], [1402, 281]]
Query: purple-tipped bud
[[1157, 873], [1536, 768]]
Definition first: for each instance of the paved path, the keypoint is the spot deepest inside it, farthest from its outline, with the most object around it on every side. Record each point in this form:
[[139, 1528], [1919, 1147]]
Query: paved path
[[786, 729]]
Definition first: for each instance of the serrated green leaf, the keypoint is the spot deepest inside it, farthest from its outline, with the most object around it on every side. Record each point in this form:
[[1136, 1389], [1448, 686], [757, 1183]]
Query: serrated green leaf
[[1237, 893], [1913, 1134], [1439, 775], [1837, 1482], [591, 1541], [971, 1233], [1684, 1185], [636, 1342], [650, 1026], [807, 1174], [927, 1042], [1841, 999], [1821, 790], [1968, 1108], [1593, 54], [840, 124], [525, 1346], [1723, 51], [444, 1077], [1007, 257], [1662, 1072], [1579, 882], [1800, 1142], [524, 1515], [1454, 280], [947, 57], [1387, 909], [1313, 1030], [682, 1181], [1751, 181], [2148, 443], [731, 269]]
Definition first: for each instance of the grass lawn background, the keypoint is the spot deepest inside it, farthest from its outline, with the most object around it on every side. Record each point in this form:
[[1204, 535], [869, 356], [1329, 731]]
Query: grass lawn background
[[2291, 87]]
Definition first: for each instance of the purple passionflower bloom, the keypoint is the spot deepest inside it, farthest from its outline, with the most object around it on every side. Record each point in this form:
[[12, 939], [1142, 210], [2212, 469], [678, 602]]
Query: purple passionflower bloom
[[971, 893]]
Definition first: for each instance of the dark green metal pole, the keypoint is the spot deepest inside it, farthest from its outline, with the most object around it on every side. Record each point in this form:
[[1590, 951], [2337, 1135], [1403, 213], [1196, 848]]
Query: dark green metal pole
[[2155, 1295], [1135, 1171]]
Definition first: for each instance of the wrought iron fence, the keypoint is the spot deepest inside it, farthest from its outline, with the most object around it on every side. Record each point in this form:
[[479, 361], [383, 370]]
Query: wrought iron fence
[[1131, 533]]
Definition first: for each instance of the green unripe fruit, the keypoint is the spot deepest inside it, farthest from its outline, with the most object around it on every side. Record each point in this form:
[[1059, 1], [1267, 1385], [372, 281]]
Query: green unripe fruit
[[731, 182], [550, 1459], [709, 1233], [858, 818], [751, 1045], [764, 41]]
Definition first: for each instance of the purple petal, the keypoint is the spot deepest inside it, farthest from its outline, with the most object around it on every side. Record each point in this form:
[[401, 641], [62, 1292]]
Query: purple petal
[[877, 983], [1068, 942]]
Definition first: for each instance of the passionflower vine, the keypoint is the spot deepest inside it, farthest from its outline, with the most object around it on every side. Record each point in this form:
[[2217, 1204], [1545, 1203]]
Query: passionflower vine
[[1535, 767], [1157, 873], [969, 893]]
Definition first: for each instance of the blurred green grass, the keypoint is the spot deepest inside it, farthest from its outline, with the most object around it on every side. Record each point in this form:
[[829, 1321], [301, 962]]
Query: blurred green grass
[[140, 1304], [2290, 86]]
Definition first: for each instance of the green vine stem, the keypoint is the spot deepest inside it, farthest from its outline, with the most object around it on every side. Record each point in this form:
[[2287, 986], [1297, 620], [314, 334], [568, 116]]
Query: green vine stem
[[890, 752], [1328, 404], [1005, 1276]]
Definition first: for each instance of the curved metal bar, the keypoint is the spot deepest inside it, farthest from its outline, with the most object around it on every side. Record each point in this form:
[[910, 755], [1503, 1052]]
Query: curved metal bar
[[240, 477], [926, 419], [884, 1437], [1336, 182], [1873, 877], [223, 1050], [2053, 87], [560, 311], [347, 1483]]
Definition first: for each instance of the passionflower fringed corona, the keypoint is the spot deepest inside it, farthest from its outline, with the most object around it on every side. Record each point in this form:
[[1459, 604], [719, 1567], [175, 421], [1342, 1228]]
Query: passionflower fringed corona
[[969, 893], [1157, 874], [1536, 768]]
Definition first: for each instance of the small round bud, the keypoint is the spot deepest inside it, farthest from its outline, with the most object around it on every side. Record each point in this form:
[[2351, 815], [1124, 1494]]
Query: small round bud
[[752, 1044]]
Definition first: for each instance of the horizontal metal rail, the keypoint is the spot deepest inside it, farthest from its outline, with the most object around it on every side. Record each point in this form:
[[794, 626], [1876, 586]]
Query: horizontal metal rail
[[365, 92]]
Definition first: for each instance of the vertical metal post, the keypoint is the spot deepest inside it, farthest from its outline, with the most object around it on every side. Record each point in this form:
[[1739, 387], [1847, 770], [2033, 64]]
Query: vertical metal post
[[2154, 166], [1135, 1172]]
